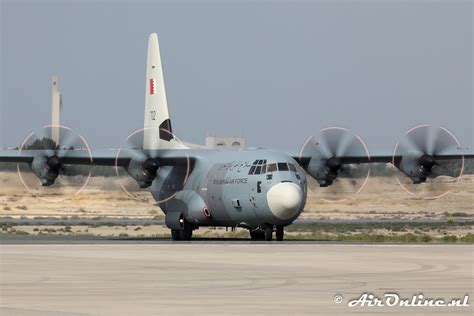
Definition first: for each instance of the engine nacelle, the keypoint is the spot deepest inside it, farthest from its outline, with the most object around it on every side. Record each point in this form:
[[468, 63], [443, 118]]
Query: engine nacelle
[[143, 170], [46, 168], [323, 170], [417, 167]]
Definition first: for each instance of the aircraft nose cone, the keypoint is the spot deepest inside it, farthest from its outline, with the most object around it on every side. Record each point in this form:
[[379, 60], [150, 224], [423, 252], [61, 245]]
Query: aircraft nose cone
[[284, 199]]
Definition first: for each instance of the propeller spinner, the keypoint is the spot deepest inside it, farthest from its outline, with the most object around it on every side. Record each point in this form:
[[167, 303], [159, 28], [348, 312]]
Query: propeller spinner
[[48, 164], [144, 170], [415, 155], [338, 180]]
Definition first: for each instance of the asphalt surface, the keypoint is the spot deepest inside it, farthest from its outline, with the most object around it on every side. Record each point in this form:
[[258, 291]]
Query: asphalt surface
[[100, 276], [91, 240], [15, 239]]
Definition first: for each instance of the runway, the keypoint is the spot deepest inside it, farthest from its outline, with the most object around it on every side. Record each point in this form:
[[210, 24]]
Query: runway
[[219, 278]]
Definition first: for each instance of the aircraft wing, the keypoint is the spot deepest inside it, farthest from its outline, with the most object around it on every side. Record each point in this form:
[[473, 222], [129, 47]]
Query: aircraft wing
[[385, 158], [142, 165], [100, 158], [416, 165], [27, 156]]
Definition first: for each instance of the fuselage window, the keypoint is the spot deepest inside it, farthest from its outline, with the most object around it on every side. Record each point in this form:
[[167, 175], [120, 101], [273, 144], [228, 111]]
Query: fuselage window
[[292, 167], [264, 167], [282, 166]]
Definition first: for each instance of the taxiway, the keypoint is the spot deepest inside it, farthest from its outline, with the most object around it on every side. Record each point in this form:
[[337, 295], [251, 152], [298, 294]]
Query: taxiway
[[100, 277]]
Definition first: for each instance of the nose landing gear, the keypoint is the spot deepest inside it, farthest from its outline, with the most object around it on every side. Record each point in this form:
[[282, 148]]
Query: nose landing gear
[[279, 233], [268, 232]]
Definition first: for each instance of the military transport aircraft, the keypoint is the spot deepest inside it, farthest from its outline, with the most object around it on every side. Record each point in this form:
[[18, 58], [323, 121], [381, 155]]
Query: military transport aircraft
[[257, 189]]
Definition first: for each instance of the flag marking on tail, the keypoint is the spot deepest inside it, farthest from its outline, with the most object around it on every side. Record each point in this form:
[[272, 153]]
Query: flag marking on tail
[[152, 86]]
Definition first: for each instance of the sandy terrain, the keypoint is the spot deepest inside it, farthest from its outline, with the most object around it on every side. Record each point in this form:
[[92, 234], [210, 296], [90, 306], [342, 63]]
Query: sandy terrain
[[101, 197], [381, 198], [384, 197]]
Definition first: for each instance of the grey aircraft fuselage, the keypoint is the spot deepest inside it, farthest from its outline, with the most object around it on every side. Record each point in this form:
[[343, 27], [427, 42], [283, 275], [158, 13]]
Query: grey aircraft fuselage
[[232, 188]]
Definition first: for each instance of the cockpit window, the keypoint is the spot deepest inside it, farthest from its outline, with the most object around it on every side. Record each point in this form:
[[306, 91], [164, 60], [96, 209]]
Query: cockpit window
[[272, 167], [258, 167], [282, 166], [252, 170]]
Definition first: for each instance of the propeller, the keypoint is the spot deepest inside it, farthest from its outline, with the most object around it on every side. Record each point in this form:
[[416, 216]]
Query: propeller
[[144, 170], [415, 155], [338, 181], [64, 181]]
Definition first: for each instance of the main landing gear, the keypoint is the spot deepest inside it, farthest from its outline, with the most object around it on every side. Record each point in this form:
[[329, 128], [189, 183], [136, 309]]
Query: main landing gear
[[257, 234], [184, 234], [266, 233]]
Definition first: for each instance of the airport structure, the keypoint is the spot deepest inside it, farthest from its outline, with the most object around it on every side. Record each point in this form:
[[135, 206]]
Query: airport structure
[[216, 142], [56, 106]]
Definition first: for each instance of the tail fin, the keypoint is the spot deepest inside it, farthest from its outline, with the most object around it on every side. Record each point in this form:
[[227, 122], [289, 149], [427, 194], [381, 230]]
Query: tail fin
[[157, 132]]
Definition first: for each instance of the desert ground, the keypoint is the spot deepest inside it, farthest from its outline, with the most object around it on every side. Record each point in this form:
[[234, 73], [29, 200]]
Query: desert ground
[[381, 197]]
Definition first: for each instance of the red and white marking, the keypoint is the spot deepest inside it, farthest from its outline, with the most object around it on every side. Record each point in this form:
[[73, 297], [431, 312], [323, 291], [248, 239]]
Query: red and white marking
[[152, 86]]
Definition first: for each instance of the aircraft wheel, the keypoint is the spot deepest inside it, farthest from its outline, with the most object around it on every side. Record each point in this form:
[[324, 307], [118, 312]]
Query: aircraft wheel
[[257, 234], [268, 233], [175, 234], [186, 233], [279, 233]]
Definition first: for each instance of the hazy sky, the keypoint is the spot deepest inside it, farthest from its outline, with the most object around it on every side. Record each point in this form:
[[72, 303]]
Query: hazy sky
[[275, 71]]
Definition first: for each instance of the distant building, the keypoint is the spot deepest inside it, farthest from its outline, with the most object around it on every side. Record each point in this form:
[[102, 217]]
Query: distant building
[[216, 142], [56, 100]]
